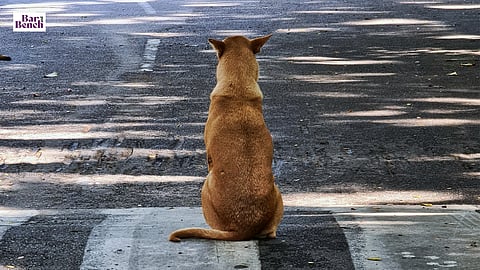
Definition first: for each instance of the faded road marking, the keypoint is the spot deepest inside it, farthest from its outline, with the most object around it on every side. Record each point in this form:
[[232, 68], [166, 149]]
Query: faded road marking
[[137, 239], [150, 54], [147, 8]]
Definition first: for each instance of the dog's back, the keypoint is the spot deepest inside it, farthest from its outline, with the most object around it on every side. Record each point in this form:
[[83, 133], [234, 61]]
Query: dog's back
[[236, 136], [239, 198]]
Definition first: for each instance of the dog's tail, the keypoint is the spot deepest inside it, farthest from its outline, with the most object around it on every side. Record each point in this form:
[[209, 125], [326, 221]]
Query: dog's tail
[[207, 234]]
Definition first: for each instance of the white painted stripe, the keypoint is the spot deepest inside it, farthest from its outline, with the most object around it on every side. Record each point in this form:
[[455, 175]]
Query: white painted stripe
[[138, 239], [238, 255], [147, 8], [14, 217], [411, 237], [150, 54]]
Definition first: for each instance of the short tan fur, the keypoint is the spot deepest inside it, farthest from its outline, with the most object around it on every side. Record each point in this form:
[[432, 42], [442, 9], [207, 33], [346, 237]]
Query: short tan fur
[[240, 200]]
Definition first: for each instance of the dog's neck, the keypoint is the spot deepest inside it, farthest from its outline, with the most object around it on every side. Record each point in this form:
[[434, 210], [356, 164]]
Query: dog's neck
[[237, 79]]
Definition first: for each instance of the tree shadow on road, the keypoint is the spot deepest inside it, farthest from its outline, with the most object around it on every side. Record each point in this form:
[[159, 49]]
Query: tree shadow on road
[[360, 98]]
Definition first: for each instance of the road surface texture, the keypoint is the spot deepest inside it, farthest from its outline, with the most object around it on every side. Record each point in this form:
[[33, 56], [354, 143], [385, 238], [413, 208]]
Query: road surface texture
[[373, 106]]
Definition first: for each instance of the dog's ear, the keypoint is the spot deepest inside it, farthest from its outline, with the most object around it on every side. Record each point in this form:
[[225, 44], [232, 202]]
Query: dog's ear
[[257, 43], [218, 45]]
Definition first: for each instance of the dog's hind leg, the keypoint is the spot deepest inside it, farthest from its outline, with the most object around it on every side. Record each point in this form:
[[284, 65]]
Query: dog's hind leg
[[270, 230]]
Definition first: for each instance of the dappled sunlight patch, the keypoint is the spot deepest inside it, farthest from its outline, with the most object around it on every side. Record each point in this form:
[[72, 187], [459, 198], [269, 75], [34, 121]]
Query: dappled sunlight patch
[[450, 100], [469, 157], [311, 58], [457, 36], [213, 4], [114, 84], [371, 113], [421, 2], [339, 11], [70, 15], [134, 84], [161, 34], [475, 175], [17, 114], [422, 158], [370, 74], [50, 7], [305, 30], [357, 62], [392, 21], [454, 6], [446, 111], [251, 16], [62, 21], [16, 67], [325, 79], [60, 16], [460, 90], [47, 155], [233, 32], [454, 157], [73, 131], [339, 78], [134, 20], [97, 179], [50, 132], [18, 213], [187, 15], [149, 100], [73, 102], [57, 9], [396, 214], [5, 23], [451, 157], [104, 100], [116, 179], [384, 53], [334, 61], [321, 199], [123, 21], [428, 122], [448, 51], [330, 94]]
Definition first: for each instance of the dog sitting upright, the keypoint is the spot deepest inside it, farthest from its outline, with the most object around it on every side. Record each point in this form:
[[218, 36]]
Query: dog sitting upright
[[240, 200]]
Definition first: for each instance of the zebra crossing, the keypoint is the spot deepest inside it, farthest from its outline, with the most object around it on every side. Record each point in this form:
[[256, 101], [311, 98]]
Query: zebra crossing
[[136, 238], [116, 239], [380, 237], [133, 239]]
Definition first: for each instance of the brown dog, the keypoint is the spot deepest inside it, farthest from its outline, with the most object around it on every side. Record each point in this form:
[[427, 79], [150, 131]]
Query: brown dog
[[240, 200]]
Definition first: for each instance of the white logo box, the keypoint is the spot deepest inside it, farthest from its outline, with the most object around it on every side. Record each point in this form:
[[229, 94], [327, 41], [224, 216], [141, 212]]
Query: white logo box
[[24, 21]]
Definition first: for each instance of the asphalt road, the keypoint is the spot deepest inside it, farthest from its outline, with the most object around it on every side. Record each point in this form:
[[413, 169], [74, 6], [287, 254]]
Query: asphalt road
[[368, 102]]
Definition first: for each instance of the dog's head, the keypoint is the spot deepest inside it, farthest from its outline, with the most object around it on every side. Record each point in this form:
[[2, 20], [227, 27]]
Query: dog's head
[[236, 43], [237, 54]]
